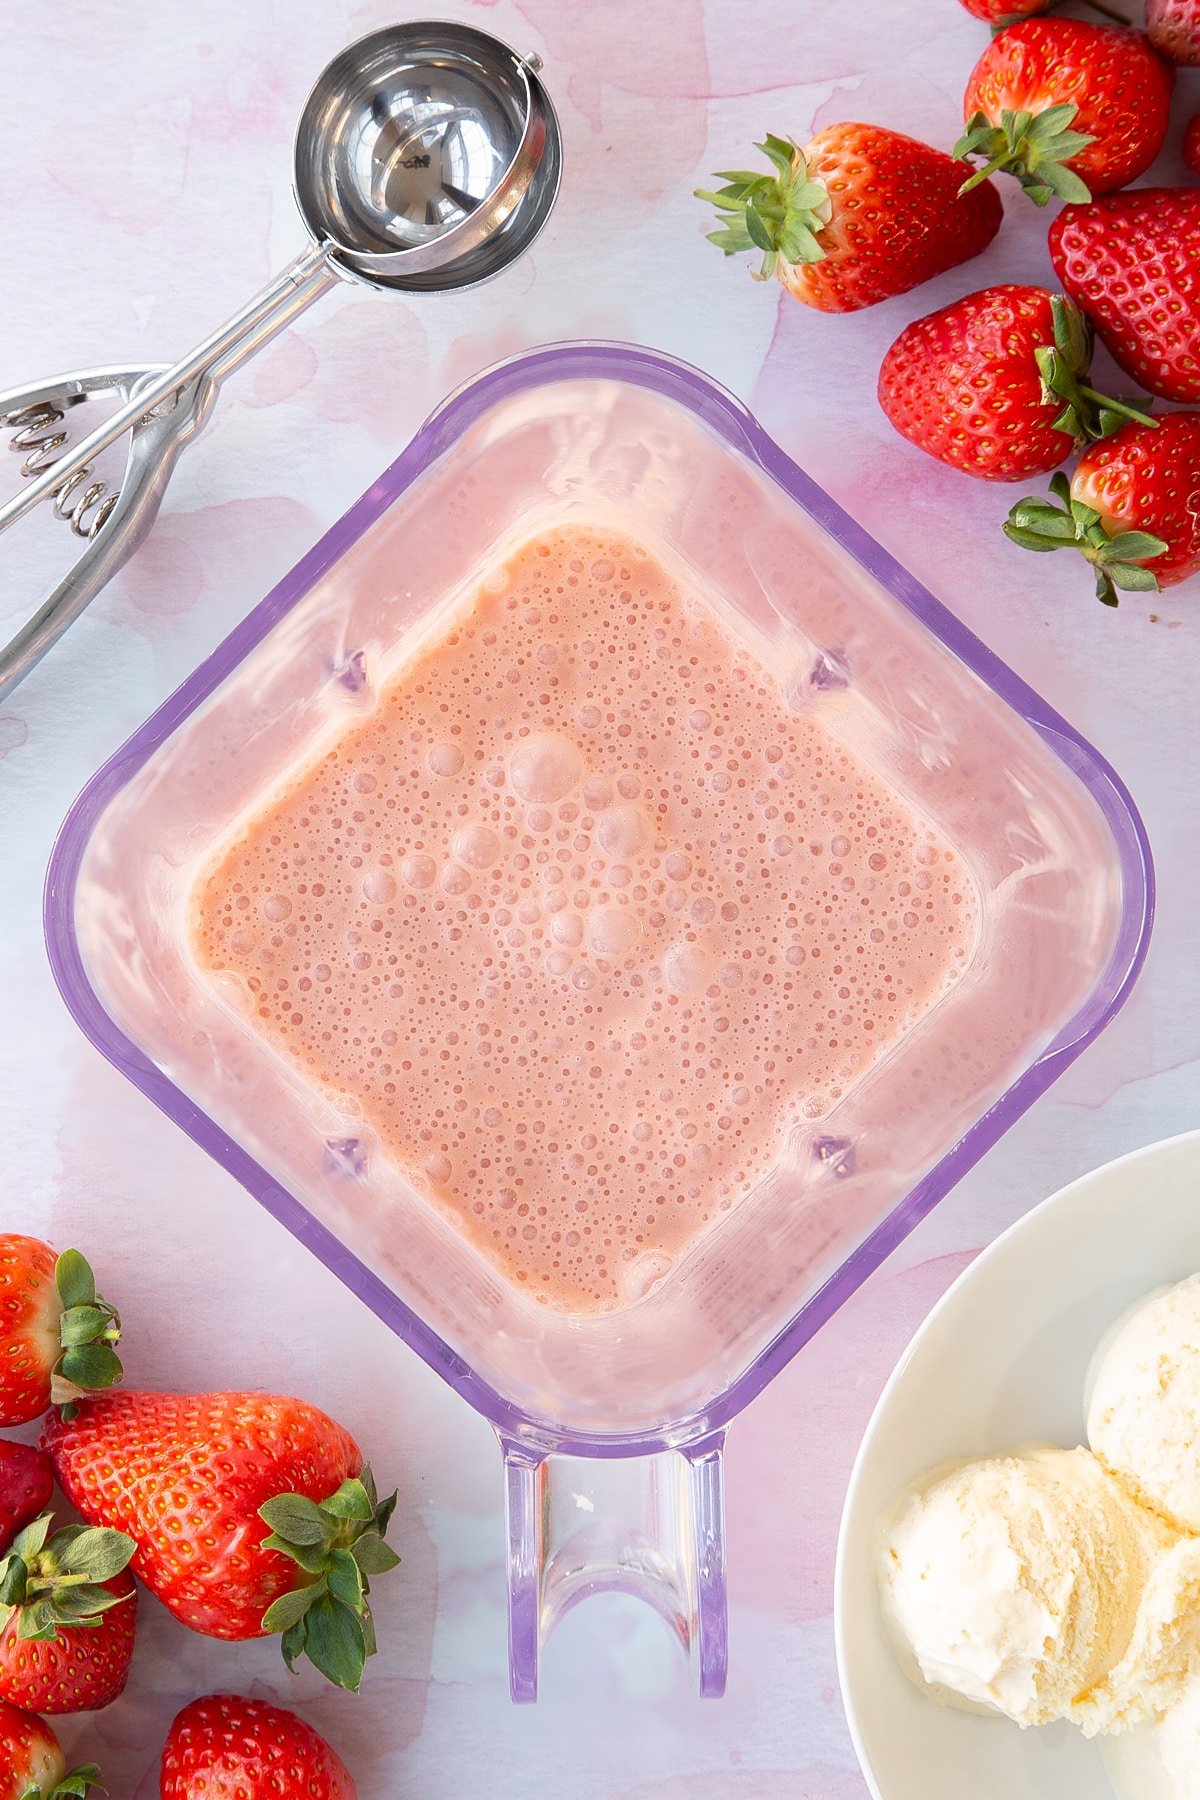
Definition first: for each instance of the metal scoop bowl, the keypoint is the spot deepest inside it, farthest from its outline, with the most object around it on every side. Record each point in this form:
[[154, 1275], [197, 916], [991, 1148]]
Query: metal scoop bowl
[[428, 158]]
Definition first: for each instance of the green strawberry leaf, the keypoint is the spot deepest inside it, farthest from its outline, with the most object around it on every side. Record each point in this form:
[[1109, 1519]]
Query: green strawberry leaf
[[384, 1511], [312, 1558], [74, 1280], [83, 1605], [80, 1324], [372, 1555], [1131, 576], [335, 1643], [781, 151], [290, 1608], [346, 1580], [351, 1501], [733, 240], [1028, 540], [1064, 183], [295, 1638], [90, 1366], [36, 1622], [295, 1519], [761, 234], [1134, 546], [96, 1551], [14, 1580], [27, 1543]]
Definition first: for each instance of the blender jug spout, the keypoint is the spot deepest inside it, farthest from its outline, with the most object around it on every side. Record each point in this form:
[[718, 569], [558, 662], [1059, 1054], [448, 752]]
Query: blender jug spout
[[651, 1525]]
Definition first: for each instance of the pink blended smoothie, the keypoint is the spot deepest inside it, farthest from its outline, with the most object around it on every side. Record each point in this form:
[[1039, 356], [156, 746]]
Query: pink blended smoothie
[[584, 919]]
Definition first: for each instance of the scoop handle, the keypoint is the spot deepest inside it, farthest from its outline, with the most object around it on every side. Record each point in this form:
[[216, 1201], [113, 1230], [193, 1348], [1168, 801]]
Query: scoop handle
[[260, 319], [650, 1525]]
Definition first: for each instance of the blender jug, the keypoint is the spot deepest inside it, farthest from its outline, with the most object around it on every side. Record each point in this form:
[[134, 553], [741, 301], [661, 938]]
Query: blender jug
[[612, 1423]]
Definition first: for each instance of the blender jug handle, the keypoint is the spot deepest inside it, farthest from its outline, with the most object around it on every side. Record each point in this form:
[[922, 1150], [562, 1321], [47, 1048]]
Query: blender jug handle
[[652, 1525]]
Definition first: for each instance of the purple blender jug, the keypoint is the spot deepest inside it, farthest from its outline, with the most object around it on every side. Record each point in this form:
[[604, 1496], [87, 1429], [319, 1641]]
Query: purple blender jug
[[612, 1424]]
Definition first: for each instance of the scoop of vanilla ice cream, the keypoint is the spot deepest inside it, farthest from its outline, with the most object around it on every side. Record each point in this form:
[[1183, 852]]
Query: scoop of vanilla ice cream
[[1144, 1409], [1034, 1586]]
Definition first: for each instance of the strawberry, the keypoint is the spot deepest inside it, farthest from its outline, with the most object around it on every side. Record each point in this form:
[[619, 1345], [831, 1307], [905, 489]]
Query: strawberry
[[1132, 262], [1173, 27], [1191, 146], [26, 1484], [68, 1613], [56, 1337], [857, 216], [994, 384], [1131, 502], [1068, 108], [999, 13], [223, 1747], [192, 1477], [32, 1765], [1005, 12]]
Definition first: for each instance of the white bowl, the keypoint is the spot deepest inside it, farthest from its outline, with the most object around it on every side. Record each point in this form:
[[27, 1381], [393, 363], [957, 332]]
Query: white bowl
[[1001, 1361]]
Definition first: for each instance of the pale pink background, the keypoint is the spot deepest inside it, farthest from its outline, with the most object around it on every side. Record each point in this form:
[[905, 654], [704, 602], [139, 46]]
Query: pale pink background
[[144, 188]]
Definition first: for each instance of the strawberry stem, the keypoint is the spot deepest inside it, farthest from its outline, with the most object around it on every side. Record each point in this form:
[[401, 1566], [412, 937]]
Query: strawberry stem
[[338, 1545], [1117, 559], [59, 1581], [1036, 148], [1087, 414], [89, 1331], [782, 214], [1123, 407]]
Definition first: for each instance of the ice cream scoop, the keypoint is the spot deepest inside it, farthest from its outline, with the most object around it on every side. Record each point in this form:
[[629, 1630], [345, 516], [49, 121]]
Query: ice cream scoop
[[1144, 1408], [1034, 1586]]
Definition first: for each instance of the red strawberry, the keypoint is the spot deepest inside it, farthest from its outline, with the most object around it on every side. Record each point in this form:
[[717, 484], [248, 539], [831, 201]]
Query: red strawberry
[[191, 1477], [223, 1747], [857, 216], [32, 1765], [26, 1484], [993, 384], [1191, 145], [1130, 503], [1005, 12], [1174, 29], [1008, 12], [1068, 108], [1132, 262], [56, 1337], [68, 1614]]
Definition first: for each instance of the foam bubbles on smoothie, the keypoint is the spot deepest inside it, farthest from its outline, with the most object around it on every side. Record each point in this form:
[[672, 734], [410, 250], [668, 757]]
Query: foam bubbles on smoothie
[[545, 766], [581, 920]]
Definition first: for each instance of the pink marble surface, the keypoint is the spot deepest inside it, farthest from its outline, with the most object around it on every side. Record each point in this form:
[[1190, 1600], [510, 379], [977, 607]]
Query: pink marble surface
[[144, 188]]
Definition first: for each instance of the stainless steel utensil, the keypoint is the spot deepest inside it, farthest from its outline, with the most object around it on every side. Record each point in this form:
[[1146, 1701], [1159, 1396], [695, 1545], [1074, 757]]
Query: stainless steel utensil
[[427, 158]]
